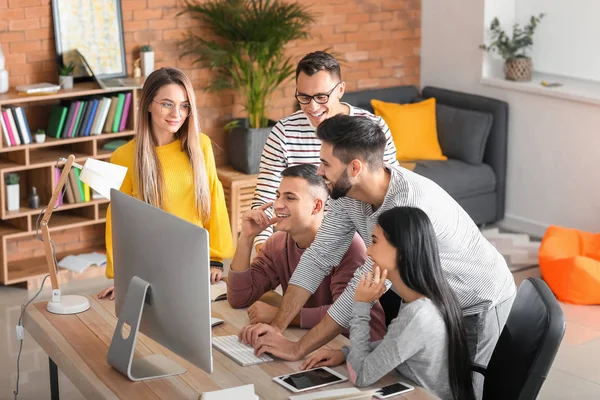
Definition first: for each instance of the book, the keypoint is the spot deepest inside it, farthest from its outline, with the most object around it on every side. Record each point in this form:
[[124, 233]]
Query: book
[[7, 139], [68, 189], [102, 114], [118, 112], [79, 184], [84, 113], [38, 88], [217, 290], [126, 108], [58, 115], [81, 262], [23, 124], [70, 120], [90, 117], [13, 126], [74, 186], [110, 118], [73, 132]]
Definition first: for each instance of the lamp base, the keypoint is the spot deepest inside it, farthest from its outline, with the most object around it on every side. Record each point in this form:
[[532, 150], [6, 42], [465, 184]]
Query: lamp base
[[71, 304]]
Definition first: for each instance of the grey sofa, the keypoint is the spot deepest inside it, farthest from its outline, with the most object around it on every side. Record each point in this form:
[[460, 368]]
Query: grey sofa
[[472, 131]]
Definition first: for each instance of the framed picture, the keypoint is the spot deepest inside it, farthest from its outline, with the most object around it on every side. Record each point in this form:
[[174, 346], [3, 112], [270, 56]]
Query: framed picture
[[95, 29]]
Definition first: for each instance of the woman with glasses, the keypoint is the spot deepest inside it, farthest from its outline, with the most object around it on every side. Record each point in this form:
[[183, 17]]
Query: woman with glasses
[[170, 165]]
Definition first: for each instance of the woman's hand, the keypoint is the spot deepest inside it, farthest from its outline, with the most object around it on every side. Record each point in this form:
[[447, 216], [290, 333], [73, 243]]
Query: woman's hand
[[324, 358], [371, 286], [215, 275], [109, 291]]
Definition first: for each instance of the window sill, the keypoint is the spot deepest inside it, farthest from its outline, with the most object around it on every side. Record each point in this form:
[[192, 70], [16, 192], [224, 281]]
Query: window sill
[[580, 90]]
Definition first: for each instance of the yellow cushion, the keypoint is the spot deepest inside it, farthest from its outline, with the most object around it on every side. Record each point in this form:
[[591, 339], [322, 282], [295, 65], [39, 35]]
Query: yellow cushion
[[413, 128]]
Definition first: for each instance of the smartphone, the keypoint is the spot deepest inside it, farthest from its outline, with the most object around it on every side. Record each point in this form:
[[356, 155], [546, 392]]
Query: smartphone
[[393, 390], [310, 379]]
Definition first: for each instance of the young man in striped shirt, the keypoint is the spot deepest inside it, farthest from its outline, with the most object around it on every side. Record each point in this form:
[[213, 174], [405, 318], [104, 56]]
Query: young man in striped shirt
[[319, 88], [361, 188]]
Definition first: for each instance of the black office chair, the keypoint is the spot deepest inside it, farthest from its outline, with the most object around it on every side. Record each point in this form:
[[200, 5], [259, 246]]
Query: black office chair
[[527, 345]]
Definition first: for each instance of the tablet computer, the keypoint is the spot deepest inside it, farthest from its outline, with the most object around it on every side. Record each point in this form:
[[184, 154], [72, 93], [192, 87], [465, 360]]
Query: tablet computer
[[310, 379]]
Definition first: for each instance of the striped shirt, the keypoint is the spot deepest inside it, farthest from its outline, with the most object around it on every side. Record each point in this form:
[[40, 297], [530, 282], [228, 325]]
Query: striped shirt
[[475, 270], [293, 141]]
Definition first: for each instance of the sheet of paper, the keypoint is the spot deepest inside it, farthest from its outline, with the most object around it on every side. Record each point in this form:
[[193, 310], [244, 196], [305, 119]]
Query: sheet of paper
[[245, 392]]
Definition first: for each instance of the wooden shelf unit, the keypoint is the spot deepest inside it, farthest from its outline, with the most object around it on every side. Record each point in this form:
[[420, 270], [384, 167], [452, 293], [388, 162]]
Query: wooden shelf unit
[[35, 165]]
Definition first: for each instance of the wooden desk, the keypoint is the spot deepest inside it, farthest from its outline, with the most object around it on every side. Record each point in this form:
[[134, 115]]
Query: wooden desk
[[78, 344], [239, 191]]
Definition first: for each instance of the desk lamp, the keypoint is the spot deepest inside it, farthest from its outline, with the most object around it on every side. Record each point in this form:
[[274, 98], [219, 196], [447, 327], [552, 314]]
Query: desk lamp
[[98, 175]]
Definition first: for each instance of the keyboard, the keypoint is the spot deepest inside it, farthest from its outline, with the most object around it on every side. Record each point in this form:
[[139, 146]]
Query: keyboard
[[239, 352]]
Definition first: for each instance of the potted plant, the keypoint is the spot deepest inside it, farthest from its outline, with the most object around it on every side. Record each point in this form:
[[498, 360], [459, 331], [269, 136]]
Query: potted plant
[[65, 76], [13, 195], [514, 50], [40, 136], [247, 55], [147, 58]]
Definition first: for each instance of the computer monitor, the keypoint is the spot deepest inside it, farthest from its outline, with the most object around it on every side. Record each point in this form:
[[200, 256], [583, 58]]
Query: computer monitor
[[162, 267]]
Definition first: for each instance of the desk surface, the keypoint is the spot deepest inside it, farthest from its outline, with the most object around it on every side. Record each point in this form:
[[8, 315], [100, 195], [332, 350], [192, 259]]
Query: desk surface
[[78, 344]]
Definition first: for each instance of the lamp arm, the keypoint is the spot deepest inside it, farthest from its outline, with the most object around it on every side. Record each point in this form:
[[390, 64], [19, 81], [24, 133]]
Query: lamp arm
[[49, 250]]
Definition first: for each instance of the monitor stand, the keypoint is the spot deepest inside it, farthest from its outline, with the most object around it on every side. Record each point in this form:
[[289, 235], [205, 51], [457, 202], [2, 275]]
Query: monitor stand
[[122, 346]]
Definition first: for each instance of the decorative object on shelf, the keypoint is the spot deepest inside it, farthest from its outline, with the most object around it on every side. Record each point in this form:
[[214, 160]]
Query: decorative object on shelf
[[147, 57], [40, 136], [65, 76], [100, 176], [248, 56], [514, 50], [137, 71], [38, 88], [34, 200], [13, 194], [3, 73], [95, 29]]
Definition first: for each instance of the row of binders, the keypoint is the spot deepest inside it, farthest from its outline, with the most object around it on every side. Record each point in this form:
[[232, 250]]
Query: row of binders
[[93, 116], [15, 128], [75, 190]]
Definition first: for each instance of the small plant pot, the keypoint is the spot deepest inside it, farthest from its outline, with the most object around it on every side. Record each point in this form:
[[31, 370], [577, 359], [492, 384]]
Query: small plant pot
[[13, 199], [518, 69], [245, 146], [147, 60], [40, 137], [66, 81]]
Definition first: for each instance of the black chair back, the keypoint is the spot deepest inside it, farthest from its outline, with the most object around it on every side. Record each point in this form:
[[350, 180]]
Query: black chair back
[[527, 345]]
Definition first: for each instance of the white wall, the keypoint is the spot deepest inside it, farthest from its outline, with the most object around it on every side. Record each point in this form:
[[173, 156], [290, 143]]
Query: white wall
[[566, 41], [554, 144]]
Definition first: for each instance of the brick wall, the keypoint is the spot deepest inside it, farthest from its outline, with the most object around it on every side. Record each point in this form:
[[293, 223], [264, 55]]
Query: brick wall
[[377, 40]]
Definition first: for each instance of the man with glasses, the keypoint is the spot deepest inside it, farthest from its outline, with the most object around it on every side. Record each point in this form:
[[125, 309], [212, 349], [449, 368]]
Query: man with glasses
[[293, 141]]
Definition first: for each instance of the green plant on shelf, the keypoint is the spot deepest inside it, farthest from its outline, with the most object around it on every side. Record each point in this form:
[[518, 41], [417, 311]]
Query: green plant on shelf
[[12, 178], [146, 48], [66, 69]]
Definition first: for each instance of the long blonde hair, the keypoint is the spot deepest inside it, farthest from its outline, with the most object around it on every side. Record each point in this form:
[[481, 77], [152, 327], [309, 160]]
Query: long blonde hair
[[148, 173]]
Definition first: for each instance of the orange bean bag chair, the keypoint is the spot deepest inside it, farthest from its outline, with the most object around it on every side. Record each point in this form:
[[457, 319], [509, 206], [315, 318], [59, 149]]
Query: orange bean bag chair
[[570, 264]]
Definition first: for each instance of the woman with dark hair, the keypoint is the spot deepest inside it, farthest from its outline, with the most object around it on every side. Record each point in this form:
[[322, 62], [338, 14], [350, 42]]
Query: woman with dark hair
[[426, 342]]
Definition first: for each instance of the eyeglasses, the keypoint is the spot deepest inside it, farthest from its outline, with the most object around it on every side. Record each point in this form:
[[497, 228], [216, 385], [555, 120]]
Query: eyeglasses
[[320, 98], [166, 108]]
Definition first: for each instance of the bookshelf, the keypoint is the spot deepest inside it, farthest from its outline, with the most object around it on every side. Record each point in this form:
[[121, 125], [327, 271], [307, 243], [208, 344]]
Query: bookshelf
[[22, 255]]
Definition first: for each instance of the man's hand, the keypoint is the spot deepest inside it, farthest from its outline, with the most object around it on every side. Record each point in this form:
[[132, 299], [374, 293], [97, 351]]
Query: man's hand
[[274, 343], [371, 286], [324, 358], [250, 333], [215, 275], [109, 291], [261, 312], [255, 221]]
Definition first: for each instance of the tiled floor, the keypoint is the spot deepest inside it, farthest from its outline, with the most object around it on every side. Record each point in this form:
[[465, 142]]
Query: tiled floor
[[574, 375]]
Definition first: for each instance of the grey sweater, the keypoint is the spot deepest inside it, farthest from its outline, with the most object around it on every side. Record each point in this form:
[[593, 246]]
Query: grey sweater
[[416, 345]]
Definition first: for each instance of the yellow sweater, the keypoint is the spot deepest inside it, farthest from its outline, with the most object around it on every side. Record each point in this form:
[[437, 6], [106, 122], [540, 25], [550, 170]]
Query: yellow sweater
[[179, 196]]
